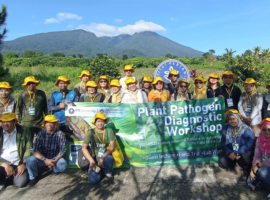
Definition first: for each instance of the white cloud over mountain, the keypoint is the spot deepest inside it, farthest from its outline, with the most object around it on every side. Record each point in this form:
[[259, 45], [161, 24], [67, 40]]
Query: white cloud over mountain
[[62, 17]]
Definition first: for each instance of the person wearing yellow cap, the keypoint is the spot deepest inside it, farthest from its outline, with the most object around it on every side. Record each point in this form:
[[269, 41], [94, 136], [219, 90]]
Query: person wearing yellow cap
[[229, 91], [99, 138], [237, 143], [182, 91], [91, 94], [213, 84], [103, 85], [7, 103], [48, 150], [59, 100], [146, 84], [172, 86], [15, 148], [115, 96], [128, 70], [32, 106], [200, 91], [132, 94], [80, 87], [250, 105], [159, 94], [266, 103]]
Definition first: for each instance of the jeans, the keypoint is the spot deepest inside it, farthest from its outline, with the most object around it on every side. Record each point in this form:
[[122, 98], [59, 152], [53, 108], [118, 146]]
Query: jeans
[[94, 177], [263, 175], [32, 164]]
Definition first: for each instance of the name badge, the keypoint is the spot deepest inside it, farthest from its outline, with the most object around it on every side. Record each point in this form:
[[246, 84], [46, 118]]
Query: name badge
[[249, 108], [101, 152], [31, 111], [264, 157], [235, 147], [230, 102], [268, 107]]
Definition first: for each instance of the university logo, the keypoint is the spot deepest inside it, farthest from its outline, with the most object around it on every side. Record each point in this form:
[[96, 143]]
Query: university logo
[[166, 66], [71, 111]]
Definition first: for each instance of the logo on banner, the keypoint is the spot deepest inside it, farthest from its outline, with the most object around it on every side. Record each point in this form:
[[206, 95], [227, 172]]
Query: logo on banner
[[164, 68], [71, 111]]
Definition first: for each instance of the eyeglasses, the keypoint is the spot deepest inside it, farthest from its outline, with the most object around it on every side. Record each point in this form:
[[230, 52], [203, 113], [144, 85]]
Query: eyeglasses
[[228, 77], [103, 81], [199, 82], [171, 75], [183, 86], [265, 130]]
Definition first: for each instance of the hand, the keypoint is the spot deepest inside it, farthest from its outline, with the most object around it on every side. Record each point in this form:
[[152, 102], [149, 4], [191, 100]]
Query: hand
[[92, 164], [100, 162], [238, 157], [49, 162], [247, 120], [9, 169], [62, 105], [68, 101], [252, 176], [253, 172], [232, 156], [221, 96], [20, 169]]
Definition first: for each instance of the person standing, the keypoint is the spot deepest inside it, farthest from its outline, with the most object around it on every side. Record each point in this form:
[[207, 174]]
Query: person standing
[[146, 84], [159, 94], [116, 95], [80, 87], [182, 92], [200, 91], [103, 85], [32, 106], [7, 103], [128, 70], [91, 94], [172, 86], [213, 85]]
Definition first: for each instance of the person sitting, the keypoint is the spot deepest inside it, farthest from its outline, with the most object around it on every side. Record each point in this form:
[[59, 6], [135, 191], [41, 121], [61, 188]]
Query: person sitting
[[133, 94], [159, 94], [103, 85], [250, 105], [102, 155], [91, 94], [48, 150], [213, 85], [229, 91], [116, 95], [128, 70], [237, 140], [7, 103], [80, 87], [15, 146], [266, 103], [260, 172], [200, 91], [146, 84], [182, 91], [172, 86]]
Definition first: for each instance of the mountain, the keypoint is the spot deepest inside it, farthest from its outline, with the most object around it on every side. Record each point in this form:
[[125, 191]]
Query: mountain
[[145, 44]]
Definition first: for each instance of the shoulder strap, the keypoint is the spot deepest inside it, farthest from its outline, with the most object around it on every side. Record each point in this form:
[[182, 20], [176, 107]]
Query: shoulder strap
[[175, 96], [189, 96], [93, 143], [109, 135], [23, 104]]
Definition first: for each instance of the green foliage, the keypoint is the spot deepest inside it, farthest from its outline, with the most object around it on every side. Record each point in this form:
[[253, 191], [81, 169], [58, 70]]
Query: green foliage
[[212, 51], [10, 55], [31, 54], [58, 54], [80, 56], [125, 57]]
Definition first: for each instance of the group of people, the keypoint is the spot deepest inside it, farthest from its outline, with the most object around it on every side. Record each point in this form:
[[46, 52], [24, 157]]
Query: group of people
[[31, 138]]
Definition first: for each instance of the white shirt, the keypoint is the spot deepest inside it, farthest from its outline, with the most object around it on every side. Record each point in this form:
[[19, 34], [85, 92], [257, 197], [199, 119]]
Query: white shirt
[[123, 84], [138, 96], [9, 151]]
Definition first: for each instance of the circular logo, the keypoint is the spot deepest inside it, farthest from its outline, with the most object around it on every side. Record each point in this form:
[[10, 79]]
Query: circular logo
[[71, 111], [166, 66]]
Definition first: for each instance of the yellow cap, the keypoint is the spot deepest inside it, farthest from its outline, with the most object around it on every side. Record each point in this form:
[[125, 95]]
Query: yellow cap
[[158, 79], [5, 85], [233, 111], [6, 117], [128, 67], [50, 118], [147, 79], [100, 115], [250, 81], [201, 78], [228, 73], [30, 79], [213, 75], [104, 77], [130, 80], [265, 86], [183, 80], [90, 84], [174, 72], [62, 78], [115, 82], [87, 73]]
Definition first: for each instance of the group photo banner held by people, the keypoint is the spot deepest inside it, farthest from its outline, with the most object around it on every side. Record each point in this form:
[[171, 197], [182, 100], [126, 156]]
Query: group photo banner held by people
[[154, 134]]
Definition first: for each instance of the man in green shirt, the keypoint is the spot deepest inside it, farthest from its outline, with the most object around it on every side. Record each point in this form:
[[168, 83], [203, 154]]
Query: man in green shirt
[[32, 106]]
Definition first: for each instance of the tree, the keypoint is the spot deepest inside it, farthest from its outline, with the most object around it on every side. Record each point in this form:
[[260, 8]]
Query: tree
[[58, 54], [80, 56], [29, 54], [257, 50], [248, 53], [10, 55], [265, 55], [37, 54], [205, 54], [229, 54], [212, 51], [3, 17], [168, 55], [124, 57], [74, 56]]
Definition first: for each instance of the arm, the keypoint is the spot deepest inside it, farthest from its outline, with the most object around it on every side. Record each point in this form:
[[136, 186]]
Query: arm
[[228, 148], [62, 147], [256, 110], [88, 156], [248, 138], [51, 106], [18, 107], [240, 108], [169, 96]]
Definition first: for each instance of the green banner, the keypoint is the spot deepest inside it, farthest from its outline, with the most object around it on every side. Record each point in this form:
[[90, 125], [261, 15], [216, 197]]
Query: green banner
[[154, 134]]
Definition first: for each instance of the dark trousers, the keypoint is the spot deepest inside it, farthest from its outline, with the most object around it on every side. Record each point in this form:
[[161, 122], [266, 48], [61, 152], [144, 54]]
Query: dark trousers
[[263, 175], [20, 181], [34, 131]]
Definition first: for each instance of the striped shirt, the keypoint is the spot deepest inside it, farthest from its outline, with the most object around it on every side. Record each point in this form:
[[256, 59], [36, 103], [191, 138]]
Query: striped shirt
[[50, 145]]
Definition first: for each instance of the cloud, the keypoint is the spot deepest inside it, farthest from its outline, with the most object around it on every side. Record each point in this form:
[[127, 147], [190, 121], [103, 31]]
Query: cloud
[[118, 20], [62, 17], [108, 30], [173, 18]]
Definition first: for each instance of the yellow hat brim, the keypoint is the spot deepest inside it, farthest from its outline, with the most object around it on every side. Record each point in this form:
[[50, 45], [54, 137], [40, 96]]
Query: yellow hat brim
[[52, 121], [234, 112], [94, 121], [34, 81], [90, 76], [233, 75], [183, 82], [136, 82], [6, 87], [256, 85], [57, 82]]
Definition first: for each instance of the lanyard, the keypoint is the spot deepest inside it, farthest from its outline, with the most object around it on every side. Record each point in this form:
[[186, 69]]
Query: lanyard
[[30, 97], [5, 103], [230, 91], [92, 98], [181, 96], [234, 133], [116, 98], [64, 95], [98, 136]]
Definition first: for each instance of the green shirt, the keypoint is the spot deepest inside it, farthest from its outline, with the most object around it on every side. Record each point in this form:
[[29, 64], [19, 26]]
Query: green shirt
[[40, 105], [99, 144]]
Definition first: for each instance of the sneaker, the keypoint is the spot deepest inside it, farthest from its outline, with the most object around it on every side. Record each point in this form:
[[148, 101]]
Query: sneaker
[[109, 177], [2, 187], [33, 182]]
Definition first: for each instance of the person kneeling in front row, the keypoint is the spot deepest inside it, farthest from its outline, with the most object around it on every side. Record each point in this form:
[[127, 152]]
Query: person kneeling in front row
[[47, 150], [99, 141]]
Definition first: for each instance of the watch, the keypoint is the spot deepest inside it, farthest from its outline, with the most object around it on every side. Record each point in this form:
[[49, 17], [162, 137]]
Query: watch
[[43, 158], [258, 165]]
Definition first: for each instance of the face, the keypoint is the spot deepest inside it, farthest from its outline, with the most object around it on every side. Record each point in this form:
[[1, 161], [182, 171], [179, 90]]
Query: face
[[248, 87], [233, 121], [31, 86], [146, 84], [128, 73], [91, 90], [115, 89], [266, 130], [85, 78], [8, 126], [62, 85], [228, 79], [159, 85], [103, 83], [199, 84], [173, 78], [50, 126], [132, 86], [183, 87], [100, 123], [4, 92], [213, 80]]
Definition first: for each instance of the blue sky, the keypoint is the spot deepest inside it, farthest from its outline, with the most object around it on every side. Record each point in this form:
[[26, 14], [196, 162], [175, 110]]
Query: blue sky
[[199, 24]]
